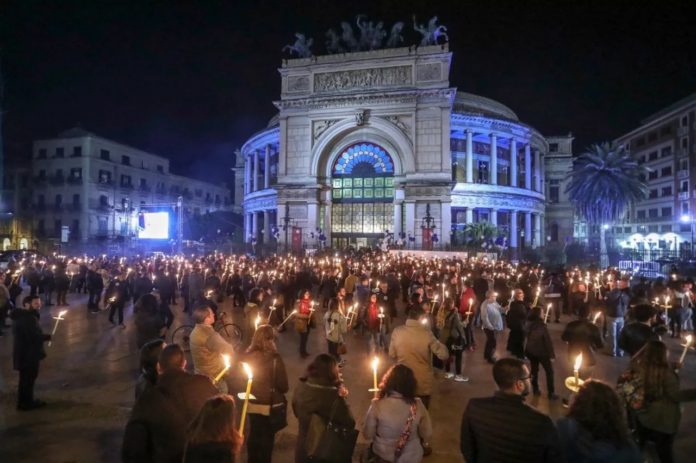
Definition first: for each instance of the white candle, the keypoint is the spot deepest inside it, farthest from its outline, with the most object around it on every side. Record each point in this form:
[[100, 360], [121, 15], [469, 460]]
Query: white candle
[[686, 348], [224, 370], [55, 327], [246, 398]]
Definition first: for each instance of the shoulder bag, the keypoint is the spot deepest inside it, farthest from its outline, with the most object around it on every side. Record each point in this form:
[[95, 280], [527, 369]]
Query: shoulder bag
[[372, 457], [329, 442], [278, 414]]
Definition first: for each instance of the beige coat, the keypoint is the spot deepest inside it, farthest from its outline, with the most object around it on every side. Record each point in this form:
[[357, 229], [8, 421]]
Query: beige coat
[[412, 345], [207, 348]]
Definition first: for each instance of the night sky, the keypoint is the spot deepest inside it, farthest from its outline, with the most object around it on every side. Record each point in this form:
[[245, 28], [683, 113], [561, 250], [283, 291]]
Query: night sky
[[191, 80]]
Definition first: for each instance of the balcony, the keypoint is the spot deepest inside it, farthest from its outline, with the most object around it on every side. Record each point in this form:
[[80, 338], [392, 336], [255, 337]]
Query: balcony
[[105, 184], [126, 186], [75, 180], [684, 195], [209, 200], [144, 189], [56, 180], [683, 174], [175, 192], [58, 207], [682, 152], [682, 131], [102, 208], [40, 207]]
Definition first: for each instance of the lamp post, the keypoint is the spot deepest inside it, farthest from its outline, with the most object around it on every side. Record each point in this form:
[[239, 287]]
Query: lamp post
[[286, 222], [686, 218], [427, 221]]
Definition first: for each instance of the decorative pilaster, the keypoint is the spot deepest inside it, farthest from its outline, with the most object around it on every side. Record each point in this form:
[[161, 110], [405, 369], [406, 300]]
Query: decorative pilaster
[[410, 218], [513, 162], [267, 168], [494, 159], [469, 215], [469, 157], [494, 217], [537, 171], [256, 170], [445, 221], [247, 227], [266, 226], [527, 168], [527, 229], [255, 225], [247, 175], [537, 231], [398, 219], [327, 216], [513, 235]]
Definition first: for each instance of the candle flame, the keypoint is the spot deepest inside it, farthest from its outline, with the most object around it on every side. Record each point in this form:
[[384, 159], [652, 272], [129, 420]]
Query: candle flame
[[247, 369], [63, 312], [596, 317], [226, 358], [688, 339], [578, 362], [375, 362]]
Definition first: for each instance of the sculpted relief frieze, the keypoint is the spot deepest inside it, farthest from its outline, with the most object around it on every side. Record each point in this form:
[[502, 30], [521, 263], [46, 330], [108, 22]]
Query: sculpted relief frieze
[[362, 78], [429, 72], [497, 202], [322, 126], [298, 84]]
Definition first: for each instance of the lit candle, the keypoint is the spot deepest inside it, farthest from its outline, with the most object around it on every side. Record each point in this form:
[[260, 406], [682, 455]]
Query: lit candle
[[256, 323], [291, 314], [546, 315], [576, 370], [536, 298], [246, 398], [596, 317], [471, 303], [55, 327], [686, 348], [375, 362], [224, 370]]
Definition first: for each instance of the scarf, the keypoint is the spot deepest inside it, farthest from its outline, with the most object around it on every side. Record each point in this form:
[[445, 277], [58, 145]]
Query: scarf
[[305, 304]]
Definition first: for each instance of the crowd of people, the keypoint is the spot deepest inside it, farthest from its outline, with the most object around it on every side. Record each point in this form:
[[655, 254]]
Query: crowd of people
[[190, 416]]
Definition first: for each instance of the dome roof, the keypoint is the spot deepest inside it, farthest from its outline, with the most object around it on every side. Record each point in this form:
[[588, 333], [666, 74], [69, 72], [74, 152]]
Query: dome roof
[[473, 104]]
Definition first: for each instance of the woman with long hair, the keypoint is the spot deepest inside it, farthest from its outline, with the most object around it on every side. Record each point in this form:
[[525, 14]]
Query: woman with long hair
[[539, 351], [453, 337], [595, 428], [320, 392], [267, 409], [397, 419], [659, 414], [212, 436], [149, 356], [335, 324], [303, 319]]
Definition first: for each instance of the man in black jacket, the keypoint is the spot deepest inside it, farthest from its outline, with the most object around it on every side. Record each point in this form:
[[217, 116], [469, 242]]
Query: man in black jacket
[[95, 285], [115, 296], [617, 304], [516, 318], [635, 335], [502, 428], [156, 430], [583, 337], [28, 350]]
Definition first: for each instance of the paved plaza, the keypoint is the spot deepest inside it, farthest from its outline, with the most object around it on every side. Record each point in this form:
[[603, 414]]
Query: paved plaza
[[89, 378]]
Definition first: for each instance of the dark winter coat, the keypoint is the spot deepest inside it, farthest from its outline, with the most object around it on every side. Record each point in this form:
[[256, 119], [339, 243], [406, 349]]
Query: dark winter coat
[[579, 447], [583, 337], [539, 342], [503, 429], [617, 303], [142, 285], [156, 430], [94, 281], [62, 281], [517, 315], [28, 339], [262, 366], [209, 452], [634, 336], [117, 289], [147, 327]]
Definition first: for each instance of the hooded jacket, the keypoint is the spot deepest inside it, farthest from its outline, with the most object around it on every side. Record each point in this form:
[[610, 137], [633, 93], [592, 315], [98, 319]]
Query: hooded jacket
[[28, 338]]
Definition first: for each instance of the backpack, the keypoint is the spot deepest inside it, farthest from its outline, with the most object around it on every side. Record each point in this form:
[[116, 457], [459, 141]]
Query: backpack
[[630, 388]]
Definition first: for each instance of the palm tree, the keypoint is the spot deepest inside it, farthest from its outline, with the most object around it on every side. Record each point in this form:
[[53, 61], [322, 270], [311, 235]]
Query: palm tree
[[605, 181], [480, 232]]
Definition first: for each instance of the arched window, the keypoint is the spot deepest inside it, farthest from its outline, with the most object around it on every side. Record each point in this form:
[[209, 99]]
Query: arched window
[[6, 244], [23, 243], [362, 195], [553, 232]]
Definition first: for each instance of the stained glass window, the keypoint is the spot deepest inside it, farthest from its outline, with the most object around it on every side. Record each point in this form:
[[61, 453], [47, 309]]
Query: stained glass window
[[368, 153]]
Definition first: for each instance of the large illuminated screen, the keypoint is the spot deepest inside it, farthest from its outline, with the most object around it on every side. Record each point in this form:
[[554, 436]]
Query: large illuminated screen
[[153, 225]]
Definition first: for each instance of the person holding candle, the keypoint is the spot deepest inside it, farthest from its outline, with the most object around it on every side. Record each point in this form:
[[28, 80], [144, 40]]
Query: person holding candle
[[397, 420], [651, 391], [212, 436], [617, 303], [253, 310], [270, 384], [335, 325], [304, 320], [454, 338], [492, 320], [539, 350], [115, 295], [378, 327], [636, 334], [156, 428], [207, 346], [515, 320], [28, 350]]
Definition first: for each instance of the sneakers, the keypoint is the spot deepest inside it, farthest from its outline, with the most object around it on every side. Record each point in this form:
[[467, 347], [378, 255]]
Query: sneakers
[[449, 375], [461, 379]]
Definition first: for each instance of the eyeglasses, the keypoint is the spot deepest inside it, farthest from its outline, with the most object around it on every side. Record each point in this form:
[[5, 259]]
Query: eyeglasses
[[525, 378]]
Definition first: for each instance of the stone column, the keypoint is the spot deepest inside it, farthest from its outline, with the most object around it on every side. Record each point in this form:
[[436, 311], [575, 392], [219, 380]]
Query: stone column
[[537, 231], [469, 157], [398, 219], [527, 229], [255, 225], [537, 170], [247, 227], [542, 170], [494, 216], [445, 221], [494, 159], [542, 225], [267, 168], [513, 234], [410, 219], [266, 226], [527, 168], [256, 170], [513, 162], [327, 216], [469, 215]]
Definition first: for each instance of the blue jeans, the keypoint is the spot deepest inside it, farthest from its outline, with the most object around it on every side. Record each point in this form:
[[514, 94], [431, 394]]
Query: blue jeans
[[614, 325], [377, 343], [687, 319]]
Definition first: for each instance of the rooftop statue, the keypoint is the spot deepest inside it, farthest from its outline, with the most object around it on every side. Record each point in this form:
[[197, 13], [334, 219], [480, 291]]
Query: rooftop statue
[[302, 46], [432, 33], [395, 38]]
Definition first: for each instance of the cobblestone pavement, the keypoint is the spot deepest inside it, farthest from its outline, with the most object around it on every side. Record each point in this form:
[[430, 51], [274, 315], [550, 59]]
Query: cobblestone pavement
[[89, 377]]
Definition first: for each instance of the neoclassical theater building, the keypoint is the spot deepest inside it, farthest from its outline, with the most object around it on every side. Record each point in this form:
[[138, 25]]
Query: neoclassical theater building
[[379, 140]]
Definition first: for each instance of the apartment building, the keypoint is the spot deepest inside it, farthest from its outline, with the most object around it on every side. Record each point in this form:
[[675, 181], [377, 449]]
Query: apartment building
[[559, 211], [16, 227], [666, 143], [96, 187]]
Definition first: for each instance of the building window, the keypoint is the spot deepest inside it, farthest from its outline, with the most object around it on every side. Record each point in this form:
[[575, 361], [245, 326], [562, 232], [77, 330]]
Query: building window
[[75, 229], [627, 229], [59, 200], [105, 155], [125, 180], [640, 214], [41, 200], [666, 229], [103, 200], [160, 168], [77, 151], [653, 228], [685, 142], [143, 182], [684, 164], [667, 171], [102, 230], [60, 152], [553, 147], [640, 142], [666, 212], [684, 186], [652, 136], [653, 194], [667, 191], [666, 130], [124, 203], [57, 227], [143, 164], [666, 151], [41, 226], [198, 192], [76, 199], [652, 213], [685, 121], [652, 156], [685, 227], [42, 154], [196, 211], [76, 173], [104, 177], [125, 160], [652, 175]]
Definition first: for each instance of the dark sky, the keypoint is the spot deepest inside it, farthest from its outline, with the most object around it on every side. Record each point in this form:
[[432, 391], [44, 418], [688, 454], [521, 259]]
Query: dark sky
[[191, 80]]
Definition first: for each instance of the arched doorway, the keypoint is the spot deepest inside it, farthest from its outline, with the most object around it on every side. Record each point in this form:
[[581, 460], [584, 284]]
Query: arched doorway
[[362, 196], [23, 243], [6, 244]]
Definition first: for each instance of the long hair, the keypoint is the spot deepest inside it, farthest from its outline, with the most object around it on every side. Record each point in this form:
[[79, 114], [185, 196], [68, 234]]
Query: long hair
[[400, 379], [598, 410], [653, 369], [263, 340], [323, 370], [215, 423]]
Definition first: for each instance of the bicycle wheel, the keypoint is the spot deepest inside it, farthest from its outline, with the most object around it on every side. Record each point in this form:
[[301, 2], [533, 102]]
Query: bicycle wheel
[[182, 336], [231, 333]]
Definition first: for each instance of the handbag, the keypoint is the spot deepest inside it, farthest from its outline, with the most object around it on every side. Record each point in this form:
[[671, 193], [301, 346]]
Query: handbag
[[329, 442], [342, 349], [372, 457], [278, 414]]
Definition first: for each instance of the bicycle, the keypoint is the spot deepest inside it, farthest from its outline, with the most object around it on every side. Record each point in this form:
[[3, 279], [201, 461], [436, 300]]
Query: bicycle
[[229, 332]]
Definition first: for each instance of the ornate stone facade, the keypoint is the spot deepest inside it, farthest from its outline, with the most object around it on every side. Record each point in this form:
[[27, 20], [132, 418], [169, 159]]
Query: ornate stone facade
[[362, 79]]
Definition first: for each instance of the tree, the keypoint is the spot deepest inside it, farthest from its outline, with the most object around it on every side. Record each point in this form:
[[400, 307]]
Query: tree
[[604, 182], [480, 232]]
